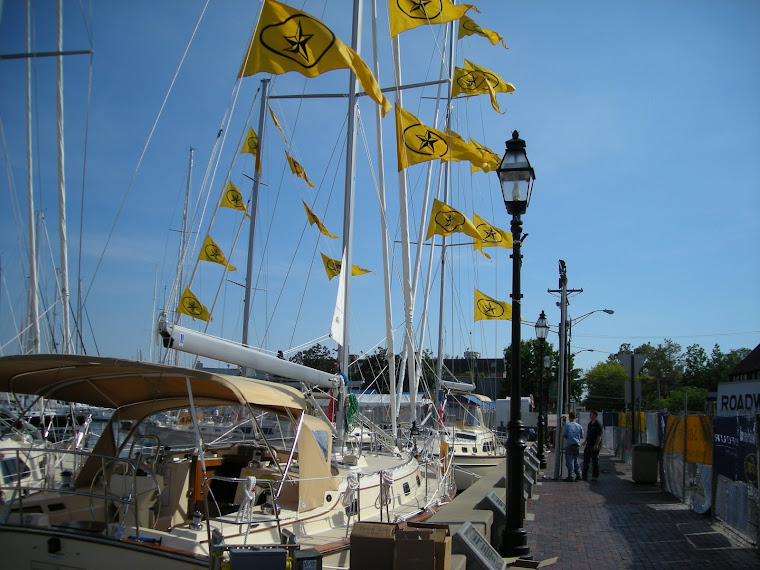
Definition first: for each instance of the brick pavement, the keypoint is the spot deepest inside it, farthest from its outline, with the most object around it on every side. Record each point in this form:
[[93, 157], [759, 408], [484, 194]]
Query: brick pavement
[[616, 523]]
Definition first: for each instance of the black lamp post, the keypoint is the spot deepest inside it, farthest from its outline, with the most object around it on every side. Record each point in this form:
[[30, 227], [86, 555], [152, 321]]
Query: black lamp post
[[516, 178], [542, 331]]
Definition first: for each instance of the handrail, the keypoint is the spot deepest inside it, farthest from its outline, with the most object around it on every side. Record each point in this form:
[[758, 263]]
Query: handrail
[[207, 490]]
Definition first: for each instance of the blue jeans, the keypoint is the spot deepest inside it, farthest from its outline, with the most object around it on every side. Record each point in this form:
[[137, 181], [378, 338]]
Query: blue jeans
[[571, 460]]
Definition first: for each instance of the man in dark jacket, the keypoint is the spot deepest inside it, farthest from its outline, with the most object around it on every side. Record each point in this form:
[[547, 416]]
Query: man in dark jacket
[[593, 445]]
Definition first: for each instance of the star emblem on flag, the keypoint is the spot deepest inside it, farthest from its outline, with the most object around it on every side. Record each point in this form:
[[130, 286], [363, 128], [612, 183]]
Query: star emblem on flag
[[298, 43]]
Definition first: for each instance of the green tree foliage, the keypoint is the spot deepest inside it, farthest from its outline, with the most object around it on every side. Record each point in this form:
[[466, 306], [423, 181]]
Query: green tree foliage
[[605, 384], [668, 371], [530, 361], [661, 371], [695, 399], [318, 357]]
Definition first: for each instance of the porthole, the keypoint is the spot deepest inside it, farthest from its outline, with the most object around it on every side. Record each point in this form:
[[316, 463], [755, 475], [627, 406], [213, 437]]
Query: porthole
[[407, 488]]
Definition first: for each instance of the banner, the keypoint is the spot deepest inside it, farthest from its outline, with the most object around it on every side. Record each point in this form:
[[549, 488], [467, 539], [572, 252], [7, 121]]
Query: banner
[[735, 451]]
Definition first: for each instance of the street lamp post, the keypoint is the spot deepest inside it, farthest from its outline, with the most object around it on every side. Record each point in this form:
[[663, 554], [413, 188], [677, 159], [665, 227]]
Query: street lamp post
[[568, 367], [542, 331], [516, 178]]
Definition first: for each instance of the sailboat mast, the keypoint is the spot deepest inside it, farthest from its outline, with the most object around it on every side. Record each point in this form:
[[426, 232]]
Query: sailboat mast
[[446, 188], [348, 212], [66, 348], [254, 210], [34, 309], [183, 238], [405, 260], [390, 356]]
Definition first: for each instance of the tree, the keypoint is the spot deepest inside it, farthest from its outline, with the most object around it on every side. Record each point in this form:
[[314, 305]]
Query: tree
[[695, 399], [530, 352], [605, 383], [661, 372], [318, 357], [694, 363], [720, 365]]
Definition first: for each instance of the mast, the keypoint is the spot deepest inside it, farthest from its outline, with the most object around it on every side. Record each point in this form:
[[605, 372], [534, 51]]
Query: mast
[[348, 214], [33, 342], [446, 186], [183, 239], [254, 209], [390, 356], [405, 255], [66, 348]]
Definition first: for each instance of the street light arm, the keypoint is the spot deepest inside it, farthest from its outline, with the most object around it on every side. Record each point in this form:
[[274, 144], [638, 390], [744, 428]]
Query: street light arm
[[582, 317]]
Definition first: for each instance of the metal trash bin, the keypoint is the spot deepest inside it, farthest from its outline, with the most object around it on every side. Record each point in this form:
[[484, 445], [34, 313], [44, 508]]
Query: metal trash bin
[[645, 463]]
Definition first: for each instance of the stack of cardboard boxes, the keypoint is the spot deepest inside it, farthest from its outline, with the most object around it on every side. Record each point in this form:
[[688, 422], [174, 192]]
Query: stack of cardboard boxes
[[390, 546]]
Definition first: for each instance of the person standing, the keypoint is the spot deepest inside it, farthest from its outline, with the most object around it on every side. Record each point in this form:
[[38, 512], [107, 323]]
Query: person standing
[[593, 445], [572, 432]]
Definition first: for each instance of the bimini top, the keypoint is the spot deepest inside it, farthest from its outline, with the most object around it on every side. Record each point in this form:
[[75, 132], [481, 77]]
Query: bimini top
[[476, 399], [116, 383]]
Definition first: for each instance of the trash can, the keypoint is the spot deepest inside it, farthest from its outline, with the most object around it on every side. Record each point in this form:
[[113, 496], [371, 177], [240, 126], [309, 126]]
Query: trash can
[[645, 463]]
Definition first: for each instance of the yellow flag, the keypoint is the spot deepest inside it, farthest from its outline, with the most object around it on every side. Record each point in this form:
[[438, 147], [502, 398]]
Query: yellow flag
[[190, 305], [445, 220], [475, 80], [297, 169], [416, 142], [287, 39], [491, 160], [462, 150], [277, 124], [211, 252], [489, 309], [407, 14], [313, 219], [251, 146], [468, 27], [232, 198], [491, 236], [333, 266]]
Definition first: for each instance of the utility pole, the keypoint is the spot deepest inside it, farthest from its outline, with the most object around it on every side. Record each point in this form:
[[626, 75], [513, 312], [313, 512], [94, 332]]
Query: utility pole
[[563, 291]]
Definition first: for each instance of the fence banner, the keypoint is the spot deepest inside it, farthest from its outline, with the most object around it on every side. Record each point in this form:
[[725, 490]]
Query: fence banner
[[698, 438], [735, 448]]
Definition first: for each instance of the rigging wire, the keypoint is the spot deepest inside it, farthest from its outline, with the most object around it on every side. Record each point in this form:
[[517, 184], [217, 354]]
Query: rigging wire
[[143, 152]]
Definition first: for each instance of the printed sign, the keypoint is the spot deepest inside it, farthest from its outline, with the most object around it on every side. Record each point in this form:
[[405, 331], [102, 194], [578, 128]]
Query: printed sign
[[738, 398], [735, 448], [479, 552]]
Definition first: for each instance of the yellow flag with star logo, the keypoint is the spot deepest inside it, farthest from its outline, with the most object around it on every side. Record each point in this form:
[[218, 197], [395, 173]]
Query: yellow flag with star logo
[[287, 39], [251, 146], [232, 198], [490, 236], [211, 252], [191, 306], [407, 14], [333, 267], [468, 27], [445, 220], [416, 142], [489, 309], [475, 80]]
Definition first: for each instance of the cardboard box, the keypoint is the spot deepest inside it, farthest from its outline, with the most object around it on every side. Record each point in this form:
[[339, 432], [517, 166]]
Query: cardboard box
[[372, 545], [415, 549], [442, 539]]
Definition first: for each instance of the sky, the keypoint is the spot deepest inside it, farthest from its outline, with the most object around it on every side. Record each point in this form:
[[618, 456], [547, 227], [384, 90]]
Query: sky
[[641, 122]]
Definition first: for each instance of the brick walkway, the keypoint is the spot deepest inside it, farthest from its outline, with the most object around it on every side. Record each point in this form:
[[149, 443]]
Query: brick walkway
[[616, 523]]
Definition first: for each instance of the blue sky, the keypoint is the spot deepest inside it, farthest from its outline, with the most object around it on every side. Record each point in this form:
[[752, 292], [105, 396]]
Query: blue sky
[[641, 121]]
